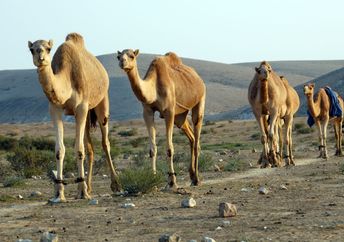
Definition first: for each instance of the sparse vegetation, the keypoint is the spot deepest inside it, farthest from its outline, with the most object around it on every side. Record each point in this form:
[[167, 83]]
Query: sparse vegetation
[[205, 162], [126, 133], [14, 181], [209, 122], [301, 128], [236, 165], [136, 180]]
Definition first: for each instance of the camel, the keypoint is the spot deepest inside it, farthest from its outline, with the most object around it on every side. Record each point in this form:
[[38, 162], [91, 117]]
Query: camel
[[319, 109], [75, 83], [274, 103], [172, 89]]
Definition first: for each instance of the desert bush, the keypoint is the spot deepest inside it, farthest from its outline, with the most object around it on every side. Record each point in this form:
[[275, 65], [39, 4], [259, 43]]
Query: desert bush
[[255, 136], [235, 165], [8, 143], [137, 180], [209, 122], [14, 181], [205, 162], [138, 141], [126, 133], [29, 162], [39, 143], [342, 168]]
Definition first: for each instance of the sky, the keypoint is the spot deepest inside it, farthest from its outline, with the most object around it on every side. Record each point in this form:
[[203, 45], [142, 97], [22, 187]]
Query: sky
[[224, 31]]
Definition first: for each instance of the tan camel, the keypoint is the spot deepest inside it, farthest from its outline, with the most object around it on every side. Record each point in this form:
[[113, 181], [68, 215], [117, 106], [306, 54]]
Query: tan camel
[[274, 102], [172, 89], [75, 83], [320, 111]]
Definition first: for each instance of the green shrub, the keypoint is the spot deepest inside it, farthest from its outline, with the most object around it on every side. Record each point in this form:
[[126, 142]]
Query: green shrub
[[126, 133], [205, 162], [40, 143], [29, 162], [140, 180], [14, 181], [7, 143], [305, 130], [342, 168], [6, 198], [235, 165], [138, 141]]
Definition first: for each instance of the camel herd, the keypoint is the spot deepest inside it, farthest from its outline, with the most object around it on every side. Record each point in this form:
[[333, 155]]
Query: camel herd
[[77, 84]]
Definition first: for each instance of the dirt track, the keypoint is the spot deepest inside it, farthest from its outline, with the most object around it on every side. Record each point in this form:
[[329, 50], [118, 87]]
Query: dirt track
[[312, 209]]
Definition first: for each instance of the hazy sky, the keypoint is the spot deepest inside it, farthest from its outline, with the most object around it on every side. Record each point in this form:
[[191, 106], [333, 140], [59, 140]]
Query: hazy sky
[[217, 30]]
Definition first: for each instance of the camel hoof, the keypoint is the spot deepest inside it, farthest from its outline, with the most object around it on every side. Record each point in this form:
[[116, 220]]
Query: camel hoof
[[195, 183], [83, 195], [57, 200], [171, 187]]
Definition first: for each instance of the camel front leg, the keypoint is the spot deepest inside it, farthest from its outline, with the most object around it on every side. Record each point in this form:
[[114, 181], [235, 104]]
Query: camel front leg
[[263, 161], [340, 136], [337, 124], [197, 119], [90, 153], [56, 116], [148, 116], [80, 118], [169, 122], [272, 139], [189, 134], [324, 137]]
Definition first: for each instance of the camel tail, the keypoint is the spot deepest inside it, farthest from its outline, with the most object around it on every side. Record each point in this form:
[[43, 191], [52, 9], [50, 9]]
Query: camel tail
[[93, 118], [76, 39]]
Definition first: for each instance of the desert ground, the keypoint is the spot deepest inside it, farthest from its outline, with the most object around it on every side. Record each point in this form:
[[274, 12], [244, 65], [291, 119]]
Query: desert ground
[[304, 203]]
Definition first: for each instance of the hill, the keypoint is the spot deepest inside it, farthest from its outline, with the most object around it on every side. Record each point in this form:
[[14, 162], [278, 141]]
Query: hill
[[22, 100]]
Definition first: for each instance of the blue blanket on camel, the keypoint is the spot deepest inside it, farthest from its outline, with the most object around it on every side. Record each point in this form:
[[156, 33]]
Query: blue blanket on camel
[[335, 109]]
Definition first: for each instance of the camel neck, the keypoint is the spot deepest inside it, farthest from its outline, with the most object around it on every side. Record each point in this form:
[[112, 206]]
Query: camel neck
[[313, 107], [264, 95], [143, 89], [53, 89]]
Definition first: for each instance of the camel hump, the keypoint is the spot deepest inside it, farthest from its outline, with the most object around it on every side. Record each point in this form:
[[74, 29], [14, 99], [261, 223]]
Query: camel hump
[[75, 38], [173, 59]]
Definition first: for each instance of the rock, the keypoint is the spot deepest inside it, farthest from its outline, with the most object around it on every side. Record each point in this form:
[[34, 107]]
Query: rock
[[226, 223], [244, 189], [188, 203], [53, 174], [263, 190], [69, 175], [49, 237], [217, 168], [218, 228], [128, 205], [227, 210], [93, 202], [34, 177], [170, 238], [254, 150], [24, 240], [105, 176], [192, 240], [283, 187], [122, 193], [36, 194], [207, 239], [20, 197]]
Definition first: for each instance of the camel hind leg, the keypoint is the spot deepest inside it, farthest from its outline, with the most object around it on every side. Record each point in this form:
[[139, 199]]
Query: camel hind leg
[[197, 120], [102, 112], [148, 116], [184, 125], [338, 135]]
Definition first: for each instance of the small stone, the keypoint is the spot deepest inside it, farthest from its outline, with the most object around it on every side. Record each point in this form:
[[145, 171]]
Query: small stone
[[188, 203], [254, 150], [20, 197], [49, 237], [106, 195], [226, 223], [105, 176], [36, 194], [53, 174], [69, 175], [170, 238], [283, 187], [122, 193], [217, 168], [24, 240], [218, 228], [244, 189], [192, 240], [207, 239], [128, 205], [34, 177], [227, 210], [93, 202], [263, 190], [251, 165]]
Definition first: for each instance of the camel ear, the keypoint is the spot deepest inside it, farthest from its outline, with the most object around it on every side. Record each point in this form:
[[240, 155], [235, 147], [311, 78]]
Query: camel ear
[[29, 44], [312, 85], [136, 52], [118, 52], [257, 70], [50, 42]]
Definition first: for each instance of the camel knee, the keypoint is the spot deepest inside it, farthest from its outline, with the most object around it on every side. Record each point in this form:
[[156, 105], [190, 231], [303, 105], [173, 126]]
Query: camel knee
[[106, 144], [170, 152], [152, 151], [263, 139]]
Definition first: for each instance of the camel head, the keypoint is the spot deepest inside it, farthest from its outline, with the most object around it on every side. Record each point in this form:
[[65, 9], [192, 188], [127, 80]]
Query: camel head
[[263, 71], [127, 59], [40, 51], [308, 89]]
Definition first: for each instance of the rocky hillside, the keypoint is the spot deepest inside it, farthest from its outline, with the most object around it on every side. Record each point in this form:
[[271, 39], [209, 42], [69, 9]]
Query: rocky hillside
[[22, 100]]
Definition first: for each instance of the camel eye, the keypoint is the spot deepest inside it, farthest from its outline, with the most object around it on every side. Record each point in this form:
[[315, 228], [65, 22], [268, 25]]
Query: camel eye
[[48, 50], [31, 50], [131, 56]]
